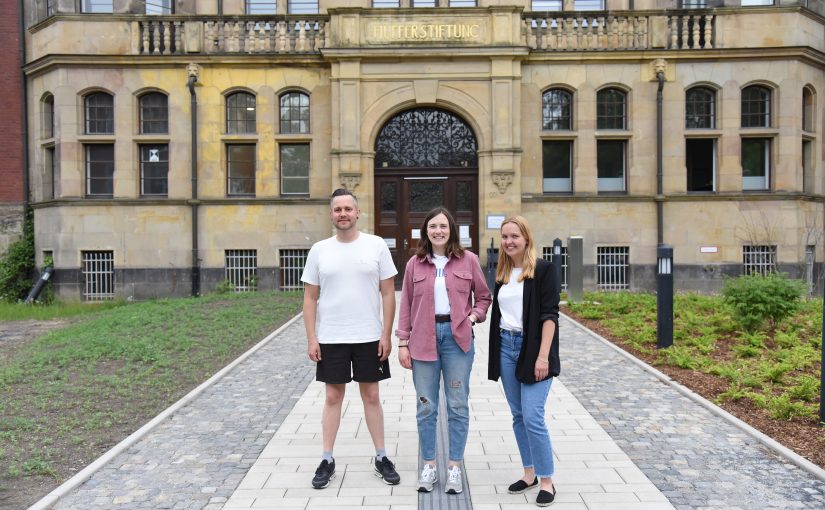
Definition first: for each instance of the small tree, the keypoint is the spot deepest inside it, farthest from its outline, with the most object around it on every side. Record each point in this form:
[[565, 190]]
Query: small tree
[[756, 298], [17, 265]]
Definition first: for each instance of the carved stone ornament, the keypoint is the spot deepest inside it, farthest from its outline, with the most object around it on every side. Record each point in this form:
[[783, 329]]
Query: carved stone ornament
[[193, 70], [350, 181], [659, 66], [503, 180]]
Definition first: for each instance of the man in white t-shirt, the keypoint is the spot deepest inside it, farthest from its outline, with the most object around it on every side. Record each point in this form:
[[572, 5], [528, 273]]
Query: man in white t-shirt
[[348, 284]]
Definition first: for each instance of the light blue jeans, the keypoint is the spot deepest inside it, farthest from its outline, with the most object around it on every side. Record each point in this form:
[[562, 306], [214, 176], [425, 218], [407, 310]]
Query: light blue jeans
[[527, 406], [455, 365]]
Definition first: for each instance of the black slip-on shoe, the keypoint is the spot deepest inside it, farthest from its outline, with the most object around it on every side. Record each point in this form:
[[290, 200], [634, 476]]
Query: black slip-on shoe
[[546, 498], [521, 486]]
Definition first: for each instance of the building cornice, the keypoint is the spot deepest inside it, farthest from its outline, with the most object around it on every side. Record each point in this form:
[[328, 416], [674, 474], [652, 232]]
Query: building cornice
[[176, 202], [676, 197]]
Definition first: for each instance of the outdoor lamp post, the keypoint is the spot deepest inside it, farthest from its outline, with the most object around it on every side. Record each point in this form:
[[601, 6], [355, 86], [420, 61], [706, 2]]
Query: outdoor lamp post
[[664, 296], [557, 260]]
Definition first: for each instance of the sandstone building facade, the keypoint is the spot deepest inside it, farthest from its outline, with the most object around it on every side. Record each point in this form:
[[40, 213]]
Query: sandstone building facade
[[176, 145]]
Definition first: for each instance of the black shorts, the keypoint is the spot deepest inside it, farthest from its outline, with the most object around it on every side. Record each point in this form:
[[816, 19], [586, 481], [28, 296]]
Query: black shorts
[[342, 363]]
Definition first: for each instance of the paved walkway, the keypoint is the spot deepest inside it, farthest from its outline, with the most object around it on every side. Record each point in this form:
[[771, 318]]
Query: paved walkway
[[622, 439]]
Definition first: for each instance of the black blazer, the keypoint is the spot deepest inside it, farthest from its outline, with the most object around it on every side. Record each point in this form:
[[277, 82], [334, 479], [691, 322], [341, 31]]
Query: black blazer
[[541, 303]]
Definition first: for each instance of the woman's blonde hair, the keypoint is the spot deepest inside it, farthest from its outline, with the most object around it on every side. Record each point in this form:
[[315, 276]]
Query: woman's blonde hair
[[528, 264]]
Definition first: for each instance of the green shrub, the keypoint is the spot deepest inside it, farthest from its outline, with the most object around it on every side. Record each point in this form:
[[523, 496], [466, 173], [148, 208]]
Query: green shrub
[[756, 299], [17, 265]]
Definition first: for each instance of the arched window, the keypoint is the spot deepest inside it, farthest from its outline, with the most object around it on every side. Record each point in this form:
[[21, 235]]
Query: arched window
[[99, 113], [294, 113], [240, 113], [756, 106], [556, 109], [700, 108], [154, 113], [611, 109], [808, 103], [47, 116]]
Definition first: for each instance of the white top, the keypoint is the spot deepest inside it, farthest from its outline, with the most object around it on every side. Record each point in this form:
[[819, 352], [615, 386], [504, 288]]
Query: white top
[[442, 302], [349, 305], [510, 302]]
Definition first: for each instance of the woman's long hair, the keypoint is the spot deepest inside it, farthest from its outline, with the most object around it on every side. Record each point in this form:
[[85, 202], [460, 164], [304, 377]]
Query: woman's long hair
[[425, 247], [528, 264]]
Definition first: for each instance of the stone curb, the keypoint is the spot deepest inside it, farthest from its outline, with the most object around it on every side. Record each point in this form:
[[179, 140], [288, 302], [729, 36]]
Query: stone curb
[[51, 498], [769, 442]]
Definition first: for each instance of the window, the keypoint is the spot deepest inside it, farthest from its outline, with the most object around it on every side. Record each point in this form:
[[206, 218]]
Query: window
[[50, 173], [462, 3], [424, 3], [694, 4], [50, 10], [100, 170], [700, 160], [700, 108], [47, 108], [556, 109], [547, 254], [294, 159], [610, 162], [756, 163], [546, 5], [752, 3], [160, 7], [294, 113], [807, 166], [292, 265], [97, 6], [302, 7], [154, 113], [588, 5], [808, 110], [241, 269], [154, 170], [259, 7], [756, 107], [240, 169], [240, 113], [98, 275], [611, 267], [557, 165], [611, 112], [385, 4], [100, 114], [758, 259]]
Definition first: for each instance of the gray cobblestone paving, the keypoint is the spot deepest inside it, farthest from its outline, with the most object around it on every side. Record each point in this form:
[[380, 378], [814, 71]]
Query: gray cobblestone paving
[[197, 458], [697, 459]]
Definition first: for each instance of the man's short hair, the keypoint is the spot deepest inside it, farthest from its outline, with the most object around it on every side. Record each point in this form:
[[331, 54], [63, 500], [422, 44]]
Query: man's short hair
[[342, 192]]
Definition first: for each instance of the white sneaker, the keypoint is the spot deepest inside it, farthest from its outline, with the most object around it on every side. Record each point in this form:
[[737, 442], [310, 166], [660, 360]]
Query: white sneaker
[[427, 479], [454, 485]]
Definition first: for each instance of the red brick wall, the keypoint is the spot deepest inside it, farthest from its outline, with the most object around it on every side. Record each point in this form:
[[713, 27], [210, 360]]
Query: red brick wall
[[11, 130]]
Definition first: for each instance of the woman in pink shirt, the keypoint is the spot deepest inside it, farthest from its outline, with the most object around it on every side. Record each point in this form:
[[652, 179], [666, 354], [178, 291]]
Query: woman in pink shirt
[[442, 296]]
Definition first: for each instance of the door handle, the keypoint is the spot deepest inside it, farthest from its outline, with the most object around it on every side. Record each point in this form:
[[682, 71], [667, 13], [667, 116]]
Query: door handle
[[406, 244]]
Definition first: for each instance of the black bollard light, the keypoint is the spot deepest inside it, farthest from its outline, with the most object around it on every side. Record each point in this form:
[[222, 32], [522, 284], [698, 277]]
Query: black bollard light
[[557, 260], [664, 296]]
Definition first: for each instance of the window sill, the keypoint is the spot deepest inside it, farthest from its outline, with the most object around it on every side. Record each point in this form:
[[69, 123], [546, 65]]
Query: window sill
[[758, 132], [559, 135], [293, 137], [152, 138], [618, 134], [108, 138], [240, 137], [703, 133]]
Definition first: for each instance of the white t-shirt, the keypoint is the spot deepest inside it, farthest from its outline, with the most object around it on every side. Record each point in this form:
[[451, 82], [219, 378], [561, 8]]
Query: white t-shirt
[[510, 302], [349, 305], [442, 301]]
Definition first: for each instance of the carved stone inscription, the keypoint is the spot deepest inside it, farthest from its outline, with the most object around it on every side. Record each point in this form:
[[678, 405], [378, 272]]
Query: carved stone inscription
[[461, 31]]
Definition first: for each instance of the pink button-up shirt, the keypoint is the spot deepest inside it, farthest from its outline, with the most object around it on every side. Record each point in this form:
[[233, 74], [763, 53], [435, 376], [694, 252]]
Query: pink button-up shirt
[[466, 290]]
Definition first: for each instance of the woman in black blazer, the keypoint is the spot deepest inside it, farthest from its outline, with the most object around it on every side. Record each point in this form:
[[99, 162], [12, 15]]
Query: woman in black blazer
[[524, 350]]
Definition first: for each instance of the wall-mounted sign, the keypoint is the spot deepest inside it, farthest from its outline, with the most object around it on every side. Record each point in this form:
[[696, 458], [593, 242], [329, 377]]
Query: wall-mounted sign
[[389, 30], [708, 249], [494, 221], [415, 233], [390, 242]]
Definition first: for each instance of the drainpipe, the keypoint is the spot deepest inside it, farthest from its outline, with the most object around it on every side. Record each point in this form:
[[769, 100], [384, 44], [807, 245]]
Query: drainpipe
[[192, 70], [660, 76]]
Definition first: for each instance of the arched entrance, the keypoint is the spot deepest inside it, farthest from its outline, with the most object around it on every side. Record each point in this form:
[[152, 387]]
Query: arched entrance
[[424, 158]]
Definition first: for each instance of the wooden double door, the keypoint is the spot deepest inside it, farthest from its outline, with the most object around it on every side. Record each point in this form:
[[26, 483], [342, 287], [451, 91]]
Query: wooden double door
[[403, 197]]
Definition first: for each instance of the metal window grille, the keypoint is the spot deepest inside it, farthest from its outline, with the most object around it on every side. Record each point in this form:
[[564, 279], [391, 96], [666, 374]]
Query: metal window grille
[[100, 114], [98, 275], [241, 269], [556, 109], [611, 266], [547, 254], [302, 6], [611, 109], [759, 259], [292, 265]]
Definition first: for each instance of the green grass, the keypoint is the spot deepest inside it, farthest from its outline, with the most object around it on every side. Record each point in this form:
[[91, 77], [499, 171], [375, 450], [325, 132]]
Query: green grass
[[86, 386], [19, 311], [776, 368]]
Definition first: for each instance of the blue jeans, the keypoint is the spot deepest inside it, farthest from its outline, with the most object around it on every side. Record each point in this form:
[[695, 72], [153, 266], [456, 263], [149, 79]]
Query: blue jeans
[[455, 365], [527, 406]]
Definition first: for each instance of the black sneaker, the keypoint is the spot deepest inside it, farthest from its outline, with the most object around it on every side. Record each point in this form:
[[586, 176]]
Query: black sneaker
[[324, 473], [385, 470]]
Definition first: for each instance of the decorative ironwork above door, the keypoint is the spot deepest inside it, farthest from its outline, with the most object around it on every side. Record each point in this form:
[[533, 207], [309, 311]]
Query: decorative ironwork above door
[[426, 138]]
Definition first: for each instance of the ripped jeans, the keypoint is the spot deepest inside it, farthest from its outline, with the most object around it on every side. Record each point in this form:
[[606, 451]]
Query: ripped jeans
[[455, 365]]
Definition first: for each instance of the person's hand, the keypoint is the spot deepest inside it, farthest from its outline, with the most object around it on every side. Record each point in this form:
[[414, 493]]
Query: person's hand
[[384, 348], [314, 350], [404, 357], [473, 319], [542, 369]]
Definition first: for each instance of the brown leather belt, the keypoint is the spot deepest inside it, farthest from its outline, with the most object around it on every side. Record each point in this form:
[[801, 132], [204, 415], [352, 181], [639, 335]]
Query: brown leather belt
[[442, 318]]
